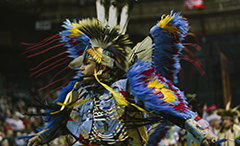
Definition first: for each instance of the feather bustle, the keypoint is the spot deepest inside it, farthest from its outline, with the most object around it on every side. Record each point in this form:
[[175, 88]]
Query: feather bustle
[[139, 75], [167, 35]]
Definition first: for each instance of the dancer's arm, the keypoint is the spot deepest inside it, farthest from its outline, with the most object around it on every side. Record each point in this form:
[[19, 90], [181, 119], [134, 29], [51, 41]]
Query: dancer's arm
[[46, 136]]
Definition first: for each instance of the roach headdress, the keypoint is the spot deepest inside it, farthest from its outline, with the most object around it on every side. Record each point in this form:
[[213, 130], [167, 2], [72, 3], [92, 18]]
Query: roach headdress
[[104, 44], [228, 111]]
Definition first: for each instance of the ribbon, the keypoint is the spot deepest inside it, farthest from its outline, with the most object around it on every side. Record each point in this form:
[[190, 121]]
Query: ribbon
[[119, 98]]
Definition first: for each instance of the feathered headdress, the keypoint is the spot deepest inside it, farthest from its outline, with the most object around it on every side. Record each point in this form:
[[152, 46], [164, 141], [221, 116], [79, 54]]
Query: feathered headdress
[[228, 111], [109, 43], [104, 44]]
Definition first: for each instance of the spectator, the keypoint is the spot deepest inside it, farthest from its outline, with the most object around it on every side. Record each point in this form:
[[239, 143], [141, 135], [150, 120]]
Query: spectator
[[4, 142], [1, 132], [214, 121], [17, 124], [9, 135], [229, 127]]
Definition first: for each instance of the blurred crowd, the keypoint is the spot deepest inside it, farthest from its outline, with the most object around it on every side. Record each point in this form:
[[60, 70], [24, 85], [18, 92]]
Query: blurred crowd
[[15, 100]]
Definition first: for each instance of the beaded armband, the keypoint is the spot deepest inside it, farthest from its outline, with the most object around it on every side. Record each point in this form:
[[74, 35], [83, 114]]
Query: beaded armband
[[196, 130]]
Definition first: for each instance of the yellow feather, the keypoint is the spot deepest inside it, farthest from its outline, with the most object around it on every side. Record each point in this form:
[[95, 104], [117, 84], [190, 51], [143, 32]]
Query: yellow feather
[[76, 25], [164, 21], [75, 32], [168, 95], [164, 24], [155, 84]]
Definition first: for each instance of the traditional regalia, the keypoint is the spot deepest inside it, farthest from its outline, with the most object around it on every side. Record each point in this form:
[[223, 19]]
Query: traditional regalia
[[233, 132], [138, 91]]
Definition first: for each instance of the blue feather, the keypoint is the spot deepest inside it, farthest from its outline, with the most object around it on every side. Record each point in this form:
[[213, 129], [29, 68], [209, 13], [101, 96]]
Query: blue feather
[[75, 45], [167, 46], [160, 132]]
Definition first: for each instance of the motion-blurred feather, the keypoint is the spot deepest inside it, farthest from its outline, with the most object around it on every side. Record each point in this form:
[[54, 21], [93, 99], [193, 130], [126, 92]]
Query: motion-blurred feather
[[235, 108], [228, 106], [143, 50], [100, 11], [124, 18], [113, 14], [76, 62]]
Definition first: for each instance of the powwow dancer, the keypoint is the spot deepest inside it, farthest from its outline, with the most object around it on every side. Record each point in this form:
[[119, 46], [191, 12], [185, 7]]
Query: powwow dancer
[[118, 90], [230, 129]]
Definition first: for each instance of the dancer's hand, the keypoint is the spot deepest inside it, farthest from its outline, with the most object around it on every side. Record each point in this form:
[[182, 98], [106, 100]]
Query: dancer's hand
[[35, 141], [208, 139]]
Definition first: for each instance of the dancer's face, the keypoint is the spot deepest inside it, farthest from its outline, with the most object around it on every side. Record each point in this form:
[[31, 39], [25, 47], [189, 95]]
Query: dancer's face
[[87, 69], [215, 123], [226, 122]]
